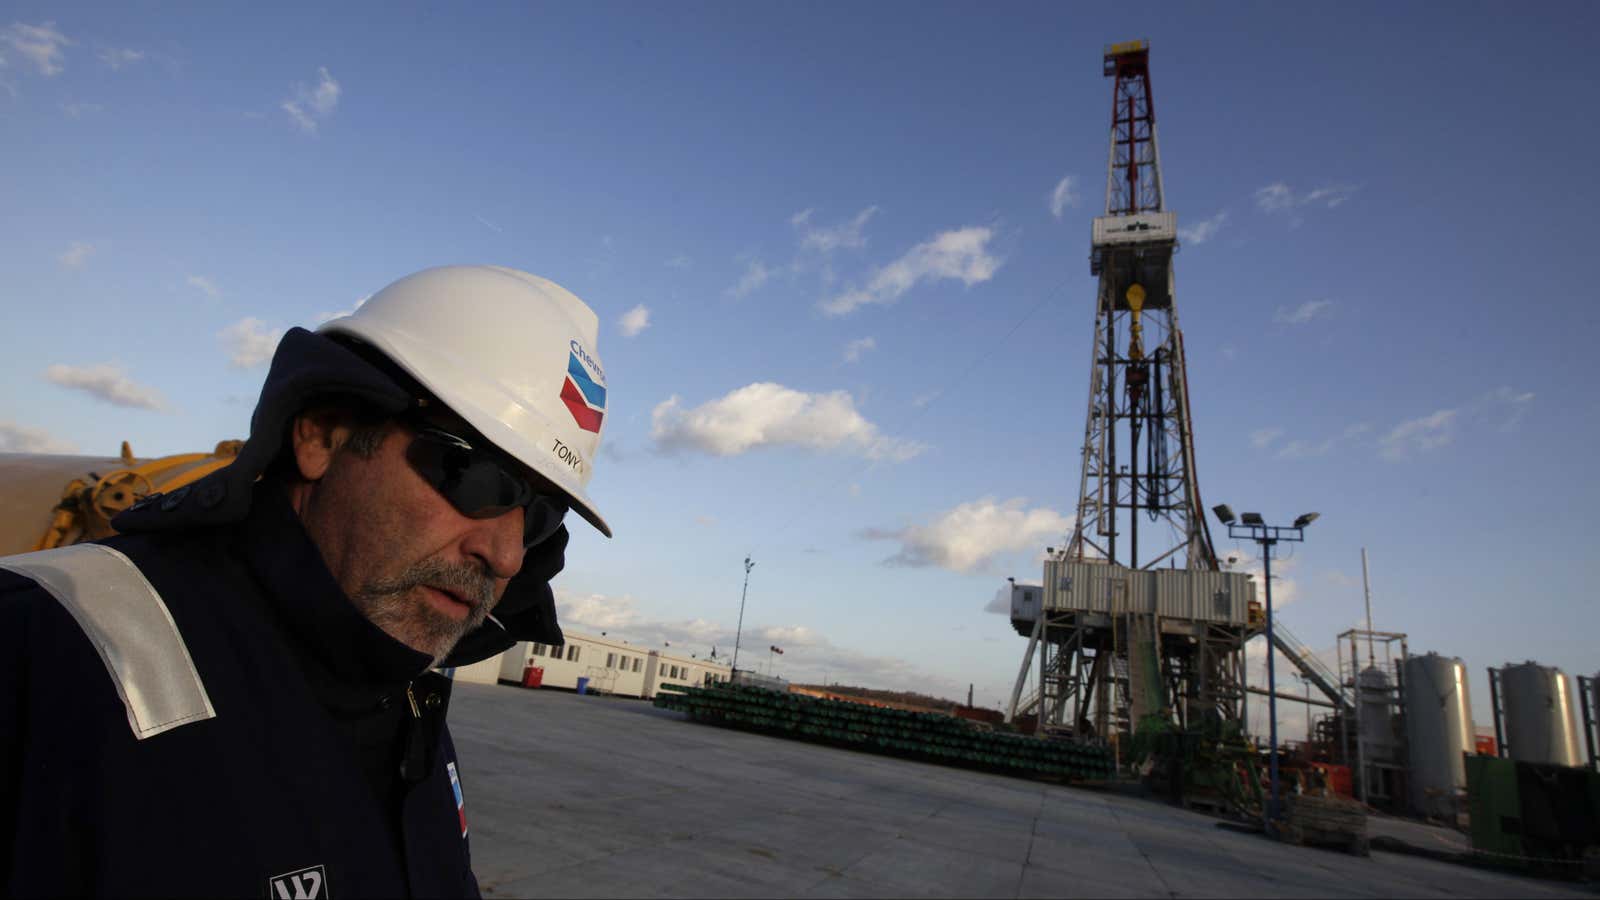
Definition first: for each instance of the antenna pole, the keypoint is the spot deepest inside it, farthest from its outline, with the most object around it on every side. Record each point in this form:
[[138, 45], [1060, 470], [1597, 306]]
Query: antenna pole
[[1366, 588]]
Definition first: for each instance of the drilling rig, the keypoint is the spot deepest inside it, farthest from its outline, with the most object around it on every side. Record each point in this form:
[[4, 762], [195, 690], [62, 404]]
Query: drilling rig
[[1136, 629]]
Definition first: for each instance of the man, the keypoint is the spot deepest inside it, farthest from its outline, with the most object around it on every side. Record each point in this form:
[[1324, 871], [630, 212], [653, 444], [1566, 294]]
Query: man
[[234, 696]]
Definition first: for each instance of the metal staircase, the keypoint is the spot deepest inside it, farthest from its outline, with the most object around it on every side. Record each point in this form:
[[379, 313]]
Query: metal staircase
[[1306, 661]]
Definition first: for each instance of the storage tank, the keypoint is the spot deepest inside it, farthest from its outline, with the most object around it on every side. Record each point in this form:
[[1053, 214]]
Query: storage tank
[[1439, 731], [1541, 723]]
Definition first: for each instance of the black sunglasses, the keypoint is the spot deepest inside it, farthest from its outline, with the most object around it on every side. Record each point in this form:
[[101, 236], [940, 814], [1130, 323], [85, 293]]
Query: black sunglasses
[[480, 483]]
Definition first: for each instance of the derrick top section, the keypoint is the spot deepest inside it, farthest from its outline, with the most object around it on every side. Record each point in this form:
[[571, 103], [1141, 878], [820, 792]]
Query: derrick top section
[[1133, 184], [1136, 222], [1126, 53]]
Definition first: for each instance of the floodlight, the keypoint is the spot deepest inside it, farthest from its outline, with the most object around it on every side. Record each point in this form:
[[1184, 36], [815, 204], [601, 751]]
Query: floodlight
[[1224, 513], [1252, 519], [1305, 520]]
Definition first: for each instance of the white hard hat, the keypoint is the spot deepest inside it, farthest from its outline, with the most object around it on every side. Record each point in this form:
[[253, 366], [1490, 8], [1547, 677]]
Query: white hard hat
[[511, 353]]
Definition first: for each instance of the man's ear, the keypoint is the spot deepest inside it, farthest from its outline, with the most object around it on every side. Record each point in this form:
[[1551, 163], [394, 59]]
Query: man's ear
[[317, 436]]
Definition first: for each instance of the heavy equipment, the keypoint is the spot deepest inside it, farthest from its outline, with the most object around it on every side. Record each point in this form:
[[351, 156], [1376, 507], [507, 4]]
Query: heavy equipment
[[49, 501]]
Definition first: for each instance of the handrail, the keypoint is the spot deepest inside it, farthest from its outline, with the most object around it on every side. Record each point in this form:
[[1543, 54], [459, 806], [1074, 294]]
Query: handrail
[[1306, 661]]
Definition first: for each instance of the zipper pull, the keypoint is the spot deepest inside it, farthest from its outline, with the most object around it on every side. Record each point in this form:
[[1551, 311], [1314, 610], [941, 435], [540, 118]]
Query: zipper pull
[[412, 768]]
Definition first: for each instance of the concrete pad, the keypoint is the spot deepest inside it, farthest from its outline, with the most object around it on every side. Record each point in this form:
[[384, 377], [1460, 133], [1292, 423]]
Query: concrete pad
[[911, 867], [580, 796]]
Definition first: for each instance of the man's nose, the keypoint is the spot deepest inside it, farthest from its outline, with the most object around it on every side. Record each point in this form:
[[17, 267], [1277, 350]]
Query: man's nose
[[497, 542]]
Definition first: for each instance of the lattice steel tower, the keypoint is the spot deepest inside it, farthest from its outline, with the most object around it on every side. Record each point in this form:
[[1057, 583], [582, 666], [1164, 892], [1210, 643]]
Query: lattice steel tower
[[1138, 447], [1107, 661]]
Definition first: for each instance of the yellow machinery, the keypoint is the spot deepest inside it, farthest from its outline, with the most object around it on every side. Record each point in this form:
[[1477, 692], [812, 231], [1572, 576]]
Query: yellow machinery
[[53, 501]]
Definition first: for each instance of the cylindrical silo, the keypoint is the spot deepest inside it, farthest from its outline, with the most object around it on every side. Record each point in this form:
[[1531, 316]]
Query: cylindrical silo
[[1439, 729], [1541, 722]]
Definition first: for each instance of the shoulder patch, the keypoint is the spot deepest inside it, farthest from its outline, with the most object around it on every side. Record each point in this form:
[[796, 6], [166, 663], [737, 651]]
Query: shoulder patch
[[131, 629]]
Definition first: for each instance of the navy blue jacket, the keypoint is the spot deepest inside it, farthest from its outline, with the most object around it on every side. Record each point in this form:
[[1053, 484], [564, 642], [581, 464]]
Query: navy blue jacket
[[313, 759]]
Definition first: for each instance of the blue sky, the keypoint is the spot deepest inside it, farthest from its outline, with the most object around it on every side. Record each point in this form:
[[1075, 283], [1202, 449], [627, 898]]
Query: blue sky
[[846, 229]]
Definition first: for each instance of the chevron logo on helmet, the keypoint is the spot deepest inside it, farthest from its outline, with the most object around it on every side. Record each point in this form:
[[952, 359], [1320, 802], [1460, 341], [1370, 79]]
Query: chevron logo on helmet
[[585, 397]]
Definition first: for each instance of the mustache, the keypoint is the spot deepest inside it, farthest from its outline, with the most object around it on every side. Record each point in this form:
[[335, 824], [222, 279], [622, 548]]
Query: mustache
[[464, 579]]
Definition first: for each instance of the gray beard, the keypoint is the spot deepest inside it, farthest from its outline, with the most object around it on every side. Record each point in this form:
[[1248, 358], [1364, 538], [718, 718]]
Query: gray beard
[[388, 604]]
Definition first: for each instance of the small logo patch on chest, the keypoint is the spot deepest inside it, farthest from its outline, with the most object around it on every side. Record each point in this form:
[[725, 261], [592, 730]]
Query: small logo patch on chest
[[302, 884], [461, 809]]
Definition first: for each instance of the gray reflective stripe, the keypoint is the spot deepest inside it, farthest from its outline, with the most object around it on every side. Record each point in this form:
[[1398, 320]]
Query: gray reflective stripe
[[129, 626]]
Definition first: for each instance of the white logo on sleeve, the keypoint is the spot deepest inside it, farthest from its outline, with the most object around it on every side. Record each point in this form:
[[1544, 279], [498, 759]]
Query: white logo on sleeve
[[302, 884]]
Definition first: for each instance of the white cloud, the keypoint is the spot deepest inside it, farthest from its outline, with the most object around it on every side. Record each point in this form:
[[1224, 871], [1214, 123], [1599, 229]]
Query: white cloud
[[250, 342], [771, 415], [16, 438], [1203, 230], [828, 239], [596, 612], [322, 317], [1064, 196], [755, 275], [105, 382], [1261, 437], [809, 655], [1501, 408], [79, 110], [961, 254], [1332, 196], [969, 537], [1285, 590], [854, 349], [307, 107], [679, 262], [41, 45], [204, 285], [116, 58], [1421, 434], [634, 320], [1275, 197], [1304, 313], [1302, 448], [76, 255], [1279, 197]]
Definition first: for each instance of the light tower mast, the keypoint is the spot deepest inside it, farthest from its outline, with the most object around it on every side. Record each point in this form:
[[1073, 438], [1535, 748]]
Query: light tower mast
[[1135, 623]]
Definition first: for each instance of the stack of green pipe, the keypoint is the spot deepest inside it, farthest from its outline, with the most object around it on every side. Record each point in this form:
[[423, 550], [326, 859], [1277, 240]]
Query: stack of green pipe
[[926, 736]]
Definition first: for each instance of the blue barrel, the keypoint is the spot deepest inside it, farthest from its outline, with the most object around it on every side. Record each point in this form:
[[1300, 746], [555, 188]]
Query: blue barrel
[[583, 685]]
